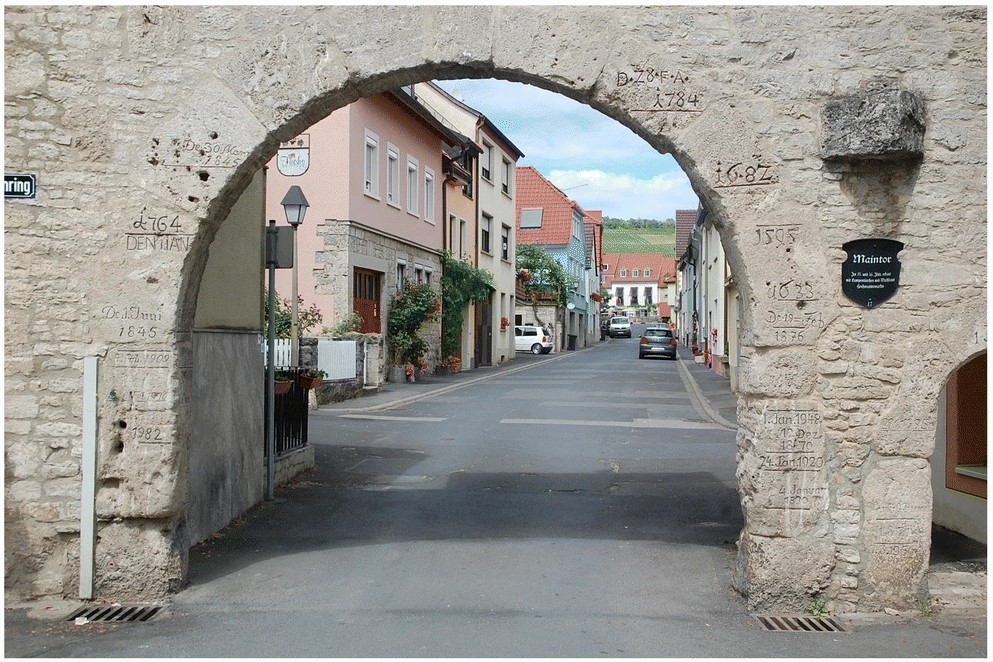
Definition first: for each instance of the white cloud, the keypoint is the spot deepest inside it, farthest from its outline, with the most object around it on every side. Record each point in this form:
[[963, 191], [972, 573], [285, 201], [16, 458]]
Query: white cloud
[[624, 175], [626, 196]]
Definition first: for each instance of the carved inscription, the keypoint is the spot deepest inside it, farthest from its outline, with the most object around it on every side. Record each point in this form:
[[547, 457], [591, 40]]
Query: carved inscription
[[143, 377], [152, 232], [146, 358], [777, 235], [662, 90], [796, 438], [753, 171], [792, 465], [202, 154], [666, 93], [147, 431], [132, 323]]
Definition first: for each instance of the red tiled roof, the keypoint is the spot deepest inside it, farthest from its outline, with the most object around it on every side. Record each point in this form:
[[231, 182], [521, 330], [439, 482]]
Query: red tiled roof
[[663, 268], [536, 192], [685, 220]]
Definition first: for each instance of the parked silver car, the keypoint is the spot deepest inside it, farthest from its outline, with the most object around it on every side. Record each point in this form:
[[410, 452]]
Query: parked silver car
[[657, 341]]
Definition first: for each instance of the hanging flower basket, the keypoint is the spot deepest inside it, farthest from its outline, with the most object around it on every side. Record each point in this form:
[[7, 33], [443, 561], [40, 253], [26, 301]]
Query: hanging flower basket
[[310, 382], [312, 379], [281, 388]]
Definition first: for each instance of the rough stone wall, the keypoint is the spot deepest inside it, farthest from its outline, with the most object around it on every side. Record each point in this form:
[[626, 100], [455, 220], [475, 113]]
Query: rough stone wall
[[132, 115], [348, 244]]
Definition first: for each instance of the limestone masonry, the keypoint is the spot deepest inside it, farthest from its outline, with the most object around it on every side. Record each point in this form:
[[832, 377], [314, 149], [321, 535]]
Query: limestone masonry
[[145, 125]]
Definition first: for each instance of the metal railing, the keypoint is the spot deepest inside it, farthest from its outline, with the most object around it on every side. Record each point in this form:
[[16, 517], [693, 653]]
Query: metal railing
[[291, 415]]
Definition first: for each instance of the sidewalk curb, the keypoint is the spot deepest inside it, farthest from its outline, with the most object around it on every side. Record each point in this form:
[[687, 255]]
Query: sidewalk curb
[[698, 398], [451, 387]]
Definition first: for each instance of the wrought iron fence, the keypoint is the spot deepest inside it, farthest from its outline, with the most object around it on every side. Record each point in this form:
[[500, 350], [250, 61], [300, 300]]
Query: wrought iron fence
[[291, 414]]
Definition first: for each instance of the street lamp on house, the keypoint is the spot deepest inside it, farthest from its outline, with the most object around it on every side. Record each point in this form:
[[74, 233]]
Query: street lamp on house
[[295, 205]]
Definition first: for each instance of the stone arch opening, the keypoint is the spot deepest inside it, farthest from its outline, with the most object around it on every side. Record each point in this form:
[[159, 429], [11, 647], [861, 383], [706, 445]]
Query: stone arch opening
[[959, 462], [198, 259]]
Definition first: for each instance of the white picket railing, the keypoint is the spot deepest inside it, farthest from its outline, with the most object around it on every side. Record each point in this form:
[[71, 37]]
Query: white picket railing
[[282, 351], [335, 357]]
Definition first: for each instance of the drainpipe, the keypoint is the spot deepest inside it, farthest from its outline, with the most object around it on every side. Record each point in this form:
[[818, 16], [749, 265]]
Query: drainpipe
[[87, 502]]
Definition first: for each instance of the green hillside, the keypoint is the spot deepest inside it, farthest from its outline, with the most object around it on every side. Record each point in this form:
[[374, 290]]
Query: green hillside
[[626, 238]]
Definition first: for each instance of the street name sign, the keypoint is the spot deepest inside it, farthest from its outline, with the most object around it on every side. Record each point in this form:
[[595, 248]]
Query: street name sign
[[20, 187]]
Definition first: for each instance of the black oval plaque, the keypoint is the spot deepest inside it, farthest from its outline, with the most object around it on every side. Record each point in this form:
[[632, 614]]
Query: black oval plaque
[[871, 274]]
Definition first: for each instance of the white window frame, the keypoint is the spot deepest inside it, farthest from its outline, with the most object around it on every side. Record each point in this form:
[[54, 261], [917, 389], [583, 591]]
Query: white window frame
[[392, 175], [371, 171], [463, 239], [429, 194], [506, 241], [453, 224], [505, 177], [486, 225], [413, 183], [486, 162], [401, 274]]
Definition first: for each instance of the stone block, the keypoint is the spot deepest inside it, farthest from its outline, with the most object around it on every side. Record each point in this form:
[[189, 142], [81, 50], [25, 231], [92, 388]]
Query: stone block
[[881, 124]]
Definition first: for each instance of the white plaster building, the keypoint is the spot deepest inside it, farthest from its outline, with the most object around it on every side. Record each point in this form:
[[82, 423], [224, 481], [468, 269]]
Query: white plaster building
[[493, 225]]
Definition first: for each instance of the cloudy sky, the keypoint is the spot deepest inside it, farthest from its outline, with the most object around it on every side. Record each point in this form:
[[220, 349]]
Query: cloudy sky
[[602, 163]]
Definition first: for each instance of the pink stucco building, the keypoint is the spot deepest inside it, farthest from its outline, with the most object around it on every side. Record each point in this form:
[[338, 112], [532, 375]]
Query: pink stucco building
[[372, 173]]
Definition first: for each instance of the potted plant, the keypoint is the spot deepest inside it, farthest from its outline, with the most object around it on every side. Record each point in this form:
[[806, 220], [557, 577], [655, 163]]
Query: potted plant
[[451, 364], [313, 378], [283, 381]]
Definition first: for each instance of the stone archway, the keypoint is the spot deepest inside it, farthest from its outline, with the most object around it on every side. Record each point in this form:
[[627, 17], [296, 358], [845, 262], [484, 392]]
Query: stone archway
[[192, 101]]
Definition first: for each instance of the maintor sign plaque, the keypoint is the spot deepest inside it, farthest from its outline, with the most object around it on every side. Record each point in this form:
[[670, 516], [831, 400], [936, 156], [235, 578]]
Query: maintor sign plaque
[[871, 274]]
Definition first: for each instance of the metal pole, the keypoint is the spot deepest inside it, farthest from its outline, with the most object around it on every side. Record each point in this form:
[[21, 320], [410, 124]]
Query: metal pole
[[295, 325], [87, 501], [271, 365]]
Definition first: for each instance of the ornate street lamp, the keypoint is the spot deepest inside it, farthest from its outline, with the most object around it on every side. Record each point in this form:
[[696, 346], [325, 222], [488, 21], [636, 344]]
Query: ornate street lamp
[[295, 205]]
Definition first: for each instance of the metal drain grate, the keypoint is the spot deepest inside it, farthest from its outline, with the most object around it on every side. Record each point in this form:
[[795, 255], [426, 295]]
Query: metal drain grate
[[792, 623], [116, 613]]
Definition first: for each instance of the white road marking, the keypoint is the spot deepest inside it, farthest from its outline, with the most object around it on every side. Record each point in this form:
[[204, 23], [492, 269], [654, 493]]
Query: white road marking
[[650, 423], [406, 419]]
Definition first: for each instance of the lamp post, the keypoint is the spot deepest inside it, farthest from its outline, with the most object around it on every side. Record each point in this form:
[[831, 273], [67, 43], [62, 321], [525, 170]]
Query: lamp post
[[295, 205]]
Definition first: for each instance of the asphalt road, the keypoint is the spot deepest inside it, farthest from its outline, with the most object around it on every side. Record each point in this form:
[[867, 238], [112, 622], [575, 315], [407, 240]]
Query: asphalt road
[[579, 508]]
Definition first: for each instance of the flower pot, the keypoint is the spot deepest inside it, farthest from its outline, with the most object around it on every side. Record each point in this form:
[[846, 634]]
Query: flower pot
[[311, 382], [282, 388]]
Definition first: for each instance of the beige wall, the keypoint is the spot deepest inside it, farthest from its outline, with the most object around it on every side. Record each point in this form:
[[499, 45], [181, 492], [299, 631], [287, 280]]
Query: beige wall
[[231, 287]]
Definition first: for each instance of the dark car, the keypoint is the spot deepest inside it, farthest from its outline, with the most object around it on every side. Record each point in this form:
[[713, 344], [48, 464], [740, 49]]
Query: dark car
[[657, 341]]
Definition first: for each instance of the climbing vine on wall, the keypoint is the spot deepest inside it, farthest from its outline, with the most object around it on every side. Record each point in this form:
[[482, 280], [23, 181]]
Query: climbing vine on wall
[[461, 284], [410, 309]]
